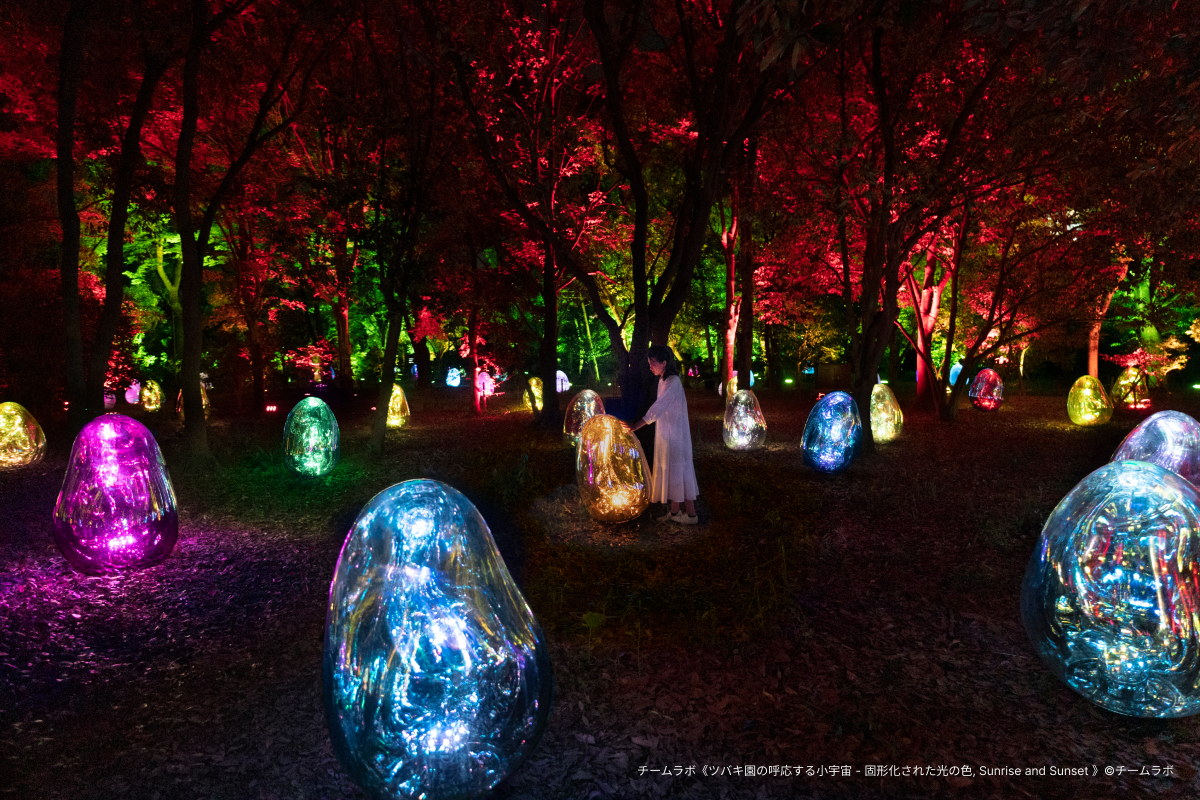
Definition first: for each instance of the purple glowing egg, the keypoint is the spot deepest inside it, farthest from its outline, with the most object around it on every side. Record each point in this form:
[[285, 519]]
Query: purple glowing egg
[[116, 510], [1170, 439]]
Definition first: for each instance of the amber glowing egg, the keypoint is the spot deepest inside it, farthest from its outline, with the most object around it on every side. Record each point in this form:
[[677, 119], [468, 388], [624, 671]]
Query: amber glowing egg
[[987, 390], [203, 396], [532, 399], [887, 420], [151, 396], [745, 427], [1131, 389], [1088, 403], [397, 408], [611, 471], [583, 407], [21, 439]]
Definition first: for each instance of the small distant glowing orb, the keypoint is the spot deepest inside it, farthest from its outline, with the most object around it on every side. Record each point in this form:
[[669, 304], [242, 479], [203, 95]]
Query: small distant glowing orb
[[311, 438], [437, 677], [745, 427], [833, 434], [561, 382], [1109, 596], [728, 391], [582, 407], [134, 393], [454, 377], [110, 401], [1088, 403], [532, 396], [611, 471], [1132, 389], [1169, 439], [151, 396], [21, 439], [788, 380], [414, 370], [887, 420], [116, 510], [987, 390], [955, 371], [397, 408], [203, 398]]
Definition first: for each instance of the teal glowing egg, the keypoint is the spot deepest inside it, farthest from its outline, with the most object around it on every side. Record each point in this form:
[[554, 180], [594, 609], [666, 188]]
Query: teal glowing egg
[[437, 678], [1111, 600], [833, 434], [310, 438]]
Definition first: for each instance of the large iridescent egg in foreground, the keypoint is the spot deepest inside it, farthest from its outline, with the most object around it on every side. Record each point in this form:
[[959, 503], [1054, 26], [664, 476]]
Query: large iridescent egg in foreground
[[437, 678], [21, 439], [1088, 403], [116, 510], [582, 407], [311, 440], [745, 427], [1131, 389], [987, 390], [887, 420], [832, 434], [611, 471], [1170, 439], [1110, 595], [397, 414]]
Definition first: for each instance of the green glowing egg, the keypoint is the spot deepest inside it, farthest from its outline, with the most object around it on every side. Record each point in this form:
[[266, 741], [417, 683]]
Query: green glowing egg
[[1088, 403], [310, 438]]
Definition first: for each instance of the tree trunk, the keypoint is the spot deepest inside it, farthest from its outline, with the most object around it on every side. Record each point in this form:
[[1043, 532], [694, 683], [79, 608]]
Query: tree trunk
[[745, 264], [258, 367], [341, 319], [387, 377], [472, 334], [69, 71], [549, 416]]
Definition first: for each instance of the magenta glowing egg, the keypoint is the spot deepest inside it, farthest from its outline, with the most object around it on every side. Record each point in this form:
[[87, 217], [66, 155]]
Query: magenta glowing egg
[[116, 510]]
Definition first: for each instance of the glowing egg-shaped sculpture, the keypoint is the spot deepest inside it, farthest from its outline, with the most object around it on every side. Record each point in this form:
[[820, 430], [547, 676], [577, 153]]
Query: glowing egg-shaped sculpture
[[832, 434], [21, 439], [397, 408], [437, 678], [151, 396], [745, 427], [134, 393], [987, 390], [1110, 598], [110, 401], [611, 471], [561, 382], [728, 391], [485, 383], [203, 398], [311, 438], [583, 407], [116, 510], [532, 398], [1170, 439], [1088, 403], [887, 420], [955, 371], [454, 377], [1131, 389]]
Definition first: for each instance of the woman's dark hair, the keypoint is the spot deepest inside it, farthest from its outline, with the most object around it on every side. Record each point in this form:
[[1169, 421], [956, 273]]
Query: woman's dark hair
[[663, 354]]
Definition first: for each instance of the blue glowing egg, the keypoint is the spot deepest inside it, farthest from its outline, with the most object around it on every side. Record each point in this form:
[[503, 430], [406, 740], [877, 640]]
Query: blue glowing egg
[[437, 677], [1110, 598], [832, 434], [454, 377], [955, 371], [1170, 439]]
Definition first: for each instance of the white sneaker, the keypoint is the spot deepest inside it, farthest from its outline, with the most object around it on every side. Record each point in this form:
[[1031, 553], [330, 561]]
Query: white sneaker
[[684, 519], [665, 517]]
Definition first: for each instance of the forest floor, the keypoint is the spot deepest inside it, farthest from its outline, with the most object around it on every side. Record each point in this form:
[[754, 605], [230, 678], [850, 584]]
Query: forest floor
[[810, 630]]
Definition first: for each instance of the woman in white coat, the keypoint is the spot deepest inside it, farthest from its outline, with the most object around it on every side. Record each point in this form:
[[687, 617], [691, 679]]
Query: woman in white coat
[[673, 478]]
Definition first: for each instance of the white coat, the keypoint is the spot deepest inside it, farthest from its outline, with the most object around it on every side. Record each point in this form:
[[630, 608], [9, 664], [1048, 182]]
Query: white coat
[[673, 477]]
